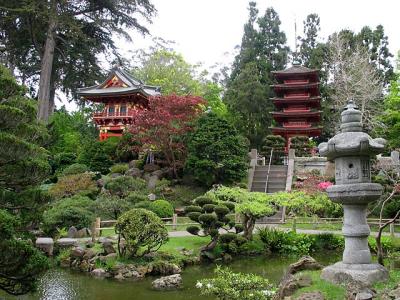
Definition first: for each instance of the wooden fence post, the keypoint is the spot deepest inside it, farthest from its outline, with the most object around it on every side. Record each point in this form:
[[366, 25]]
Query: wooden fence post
[[391, 228], [174, 221], [294, 225], [97, 226]]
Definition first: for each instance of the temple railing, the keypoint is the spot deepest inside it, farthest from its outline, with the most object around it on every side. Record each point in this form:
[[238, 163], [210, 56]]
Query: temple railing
[[110, 114]]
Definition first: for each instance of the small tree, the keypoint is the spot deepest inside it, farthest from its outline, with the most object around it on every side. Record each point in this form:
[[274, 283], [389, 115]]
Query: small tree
[[216, 152], [143, 231], [164, 124], [212, 216], [111, 206], [69, 185], [302, 145]]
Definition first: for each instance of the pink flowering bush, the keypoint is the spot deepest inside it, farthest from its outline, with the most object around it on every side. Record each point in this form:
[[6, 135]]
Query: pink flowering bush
[[324, 185]]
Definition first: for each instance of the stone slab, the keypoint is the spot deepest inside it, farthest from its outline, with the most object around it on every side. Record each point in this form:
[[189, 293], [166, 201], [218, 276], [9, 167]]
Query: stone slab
[[45, 244], [368, 274], [67, 242]]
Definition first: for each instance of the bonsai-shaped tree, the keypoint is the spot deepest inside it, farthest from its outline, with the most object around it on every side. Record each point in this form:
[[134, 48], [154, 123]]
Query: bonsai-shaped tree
[[275, 142], [302, 145], [143, 231], [212, 216]]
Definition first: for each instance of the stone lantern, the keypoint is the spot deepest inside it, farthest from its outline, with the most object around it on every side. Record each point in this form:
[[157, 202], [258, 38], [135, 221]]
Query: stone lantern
[[352, 149]]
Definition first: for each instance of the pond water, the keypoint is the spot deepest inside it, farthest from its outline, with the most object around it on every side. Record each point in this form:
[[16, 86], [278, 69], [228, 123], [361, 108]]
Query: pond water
[[62, 284]]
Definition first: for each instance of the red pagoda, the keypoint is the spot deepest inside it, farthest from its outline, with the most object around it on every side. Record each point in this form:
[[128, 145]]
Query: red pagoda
[[297, 102], [122, 96]]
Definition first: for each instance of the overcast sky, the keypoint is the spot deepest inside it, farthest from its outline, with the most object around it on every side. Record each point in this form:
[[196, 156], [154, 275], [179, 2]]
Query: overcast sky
[[205, 30]]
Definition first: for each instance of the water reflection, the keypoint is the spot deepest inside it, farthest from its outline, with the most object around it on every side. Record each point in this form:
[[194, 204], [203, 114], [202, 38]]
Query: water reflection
[[56, 286]]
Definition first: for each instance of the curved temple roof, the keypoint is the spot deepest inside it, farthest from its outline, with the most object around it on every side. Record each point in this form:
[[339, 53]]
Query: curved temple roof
[[127, 85]]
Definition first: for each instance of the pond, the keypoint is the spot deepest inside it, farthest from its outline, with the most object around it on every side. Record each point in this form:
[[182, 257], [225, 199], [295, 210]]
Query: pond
[[62, 284]]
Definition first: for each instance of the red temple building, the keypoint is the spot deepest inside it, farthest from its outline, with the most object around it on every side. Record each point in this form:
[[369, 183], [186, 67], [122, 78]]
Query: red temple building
[[297, 100], [122, 96]]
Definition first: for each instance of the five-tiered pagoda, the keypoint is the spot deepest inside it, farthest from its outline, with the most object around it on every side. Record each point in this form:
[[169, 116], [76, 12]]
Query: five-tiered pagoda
[[122, 96], [297, 102]]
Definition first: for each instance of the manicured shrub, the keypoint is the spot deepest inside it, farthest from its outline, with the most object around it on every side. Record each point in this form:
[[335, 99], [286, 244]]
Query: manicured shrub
[[162, 208], [217, 153], [136, 197], [122, 185], [111, 206], [74, 169], [76, 184], [143, 204], [119, 168], [193, 208], [75, 211], [143, 231]]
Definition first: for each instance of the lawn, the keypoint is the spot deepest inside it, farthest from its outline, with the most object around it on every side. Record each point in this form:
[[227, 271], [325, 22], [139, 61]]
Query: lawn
[[175, 244]]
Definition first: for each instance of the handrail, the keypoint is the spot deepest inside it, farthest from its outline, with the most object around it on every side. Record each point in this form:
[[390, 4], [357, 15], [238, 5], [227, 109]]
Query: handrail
[[269, 168]]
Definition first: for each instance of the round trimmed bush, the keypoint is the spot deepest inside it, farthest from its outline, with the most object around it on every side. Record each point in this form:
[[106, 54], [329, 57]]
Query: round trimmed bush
[[75, 169], [207, 219], [208, 208], [143, 231], [201, 201], [194, 216], [162, 208], [193, 208], [119, 168]]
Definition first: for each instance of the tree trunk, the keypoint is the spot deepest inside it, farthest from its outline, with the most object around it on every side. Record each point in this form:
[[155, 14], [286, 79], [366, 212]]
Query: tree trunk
[[52, 102], [211, 245], [46, 71], [379, 249], [248, 227]]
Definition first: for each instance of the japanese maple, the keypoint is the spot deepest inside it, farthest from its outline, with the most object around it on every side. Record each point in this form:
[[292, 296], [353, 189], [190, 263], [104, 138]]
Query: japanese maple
[[162, 125]]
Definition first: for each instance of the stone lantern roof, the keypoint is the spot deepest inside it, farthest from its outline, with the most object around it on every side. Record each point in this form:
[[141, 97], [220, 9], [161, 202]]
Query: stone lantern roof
[[351, 141]]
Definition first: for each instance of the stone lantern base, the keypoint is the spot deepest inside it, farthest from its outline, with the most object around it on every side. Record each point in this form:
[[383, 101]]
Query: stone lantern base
[[368, 274]]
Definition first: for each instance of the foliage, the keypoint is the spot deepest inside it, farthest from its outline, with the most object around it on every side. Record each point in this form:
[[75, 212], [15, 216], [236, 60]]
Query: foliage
[[164, 125], [303, 204], [262, 50], [212, 216], [162, 208], [142, 230], [100, 155], [74, 169], [20, 262], [236, 286], [74, 211], [119, 168], [23, 165], [125, 148], [136, 197], [69, 185], [122, 185], [111, 206], [216, 152], [275, 142], [302, 145]]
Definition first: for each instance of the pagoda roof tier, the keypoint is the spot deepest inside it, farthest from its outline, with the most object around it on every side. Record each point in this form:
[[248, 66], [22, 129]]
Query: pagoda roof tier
[[313, 102], [309, 131], [308, 115], [300, 86], [296, 71], [118, 83]]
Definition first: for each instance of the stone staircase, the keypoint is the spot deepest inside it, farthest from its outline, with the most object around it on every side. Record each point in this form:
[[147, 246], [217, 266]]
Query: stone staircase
[[276, 179]]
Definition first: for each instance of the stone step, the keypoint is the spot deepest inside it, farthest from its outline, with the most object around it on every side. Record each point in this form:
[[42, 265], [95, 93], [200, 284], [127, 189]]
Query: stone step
[[270, 184], [271, 174], [273, 168], [269, 191]]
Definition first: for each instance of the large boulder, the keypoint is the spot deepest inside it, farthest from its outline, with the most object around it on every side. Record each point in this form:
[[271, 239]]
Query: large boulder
[[304, 263], [99, 273], [67, 243], [108, 248], [167, 282], [77, 252], [72, 232], [82, 233], [149, 168], [165, 268], [46, 245], [134, 172]]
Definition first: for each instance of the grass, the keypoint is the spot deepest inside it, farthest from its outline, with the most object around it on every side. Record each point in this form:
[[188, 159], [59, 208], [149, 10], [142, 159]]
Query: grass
[[175, 244], [329, 290]]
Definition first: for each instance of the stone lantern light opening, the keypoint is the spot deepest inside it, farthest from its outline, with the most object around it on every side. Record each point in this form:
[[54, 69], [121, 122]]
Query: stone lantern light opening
[[351, 150]]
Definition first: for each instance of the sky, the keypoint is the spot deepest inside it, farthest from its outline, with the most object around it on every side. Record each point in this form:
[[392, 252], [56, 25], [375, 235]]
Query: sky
[[207, 31]]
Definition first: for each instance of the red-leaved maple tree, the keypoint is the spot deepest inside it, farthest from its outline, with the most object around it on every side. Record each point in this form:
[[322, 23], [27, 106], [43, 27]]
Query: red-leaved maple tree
[[163, 124]]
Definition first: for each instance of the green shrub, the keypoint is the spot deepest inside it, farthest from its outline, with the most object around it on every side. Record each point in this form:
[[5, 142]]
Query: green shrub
[[143, 204], [75, 184], [122, 185], [119, 168], [100, 155], [193, 208], [62, 160], [111, 206], [75, 211], [74, 169], [328, 241], [143, 231], [136, 197], [162, 208], [217, 153]]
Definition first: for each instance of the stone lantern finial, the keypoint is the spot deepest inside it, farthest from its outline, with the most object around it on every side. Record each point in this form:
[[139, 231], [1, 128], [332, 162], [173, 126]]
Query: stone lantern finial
[[351, 118]]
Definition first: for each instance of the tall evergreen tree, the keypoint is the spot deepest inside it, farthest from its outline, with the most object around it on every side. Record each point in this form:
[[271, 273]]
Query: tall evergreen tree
[[262, 50]]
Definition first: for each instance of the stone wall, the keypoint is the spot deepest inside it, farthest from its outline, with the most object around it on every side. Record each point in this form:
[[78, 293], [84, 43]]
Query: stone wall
[[308, 164]]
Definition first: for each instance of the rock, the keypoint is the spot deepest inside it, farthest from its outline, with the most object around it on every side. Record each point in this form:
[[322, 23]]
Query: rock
[[65, 262], [72, 232], [108, 248], [119, 276], [395, 294], [304, 281], [84, 266], [149, 168], [133, 164], [357, 288], [115, 175], [67, 243], [143, 270], [151, 183], [165, 268], [77, 252], [99, 273], [100, 183], [82, 233], [167, 282], [46, 245], [364, 296], [103, 240], [89, 254], [304, 263], [311, 296], [134, 172], [158, 173], [287, 287], [108, 257]]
